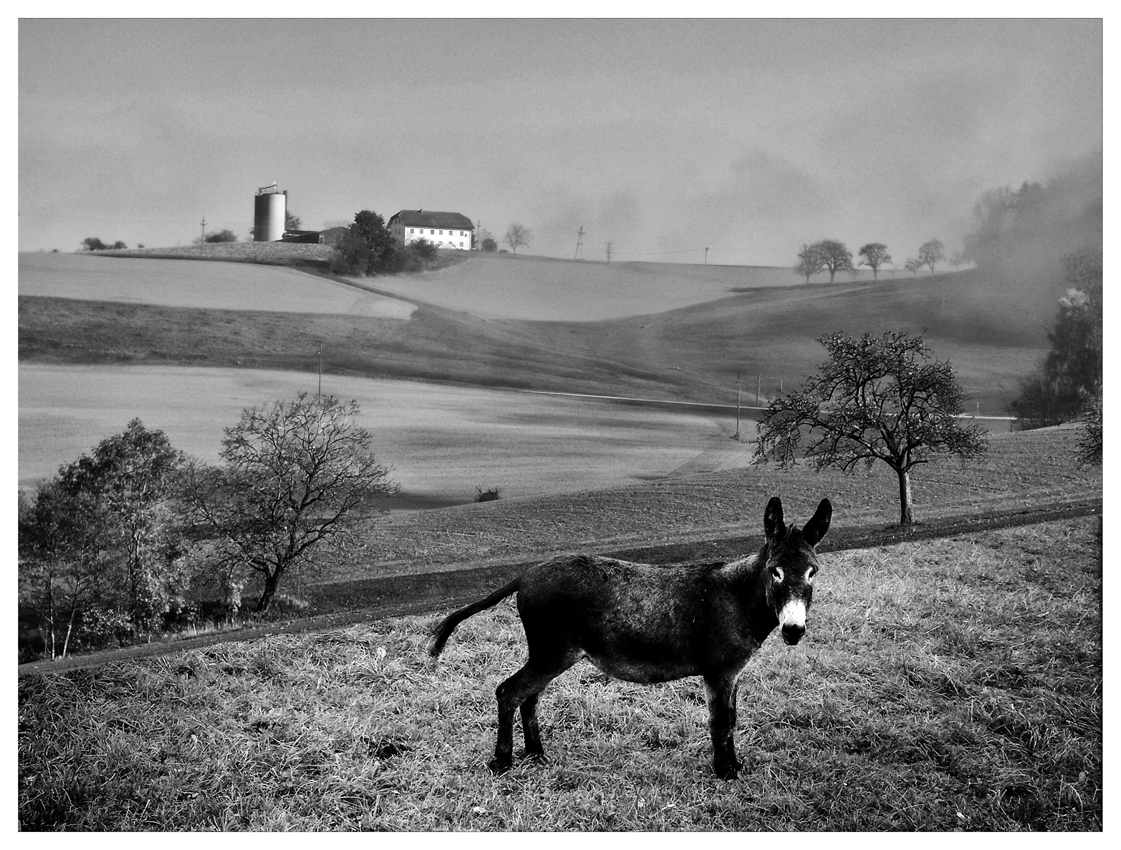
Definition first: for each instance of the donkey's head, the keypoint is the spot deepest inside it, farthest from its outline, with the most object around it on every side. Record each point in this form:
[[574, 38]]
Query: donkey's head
[[791, 566]]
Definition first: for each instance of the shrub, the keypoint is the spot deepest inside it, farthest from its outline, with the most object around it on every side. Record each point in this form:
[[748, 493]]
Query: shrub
[[491, 495]]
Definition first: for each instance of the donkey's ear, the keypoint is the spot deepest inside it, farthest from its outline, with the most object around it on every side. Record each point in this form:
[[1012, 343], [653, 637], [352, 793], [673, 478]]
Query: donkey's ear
[[772, 520], [819, 524]]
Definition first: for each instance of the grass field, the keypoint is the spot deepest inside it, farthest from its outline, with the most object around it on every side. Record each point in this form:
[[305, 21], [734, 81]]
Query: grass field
[[953, 684], [1019, 471], [948, 685], [442, 441], [216, 286], [767, 336], [505, 286]]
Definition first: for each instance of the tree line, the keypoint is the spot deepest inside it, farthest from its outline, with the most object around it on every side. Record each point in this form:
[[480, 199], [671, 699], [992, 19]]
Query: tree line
[[136, 537], [1028, 228], [1062, 219], [833, 256]]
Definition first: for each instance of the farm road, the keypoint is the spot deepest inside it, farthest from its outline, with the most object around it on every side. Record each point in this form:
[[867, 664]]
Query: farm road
[[431, 593]]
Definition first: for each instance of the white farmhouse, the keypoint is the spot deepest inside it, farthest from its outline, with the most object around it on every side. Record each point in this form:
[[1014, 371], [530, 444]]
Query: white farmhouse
[[442, 229]]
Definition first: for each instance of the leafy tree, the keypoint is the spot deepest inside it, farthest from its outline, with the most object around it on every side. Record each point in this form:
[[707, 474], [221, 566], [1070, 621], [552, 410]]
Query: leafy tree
[[99, 540], [1071, 375], [835, 257], [488, 244], [292, 473], [119, 245], [931, 252], [912, 265], [367, 249], [809, 262], [874, 399], [1090, 438], [291, 222], [221, 236], [423, 249], [63, 540], [874, 255], [518, 236], [481, 238], [92, 243]]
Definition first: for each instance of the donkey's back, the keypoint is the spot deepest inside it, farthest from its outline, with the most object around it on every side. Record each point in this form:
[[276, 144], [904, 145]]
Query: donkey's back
[[637, 622]]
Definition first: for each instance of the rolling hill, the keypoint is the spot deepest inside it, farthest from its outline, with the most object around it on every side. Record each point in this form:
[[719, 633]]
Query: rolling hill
[[669, 332]]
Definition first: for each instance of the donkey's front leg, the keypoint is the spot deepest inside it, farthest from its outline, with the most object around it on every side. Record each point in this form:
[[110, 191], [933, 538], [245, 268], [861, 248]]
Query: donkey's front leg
[[722, 691]]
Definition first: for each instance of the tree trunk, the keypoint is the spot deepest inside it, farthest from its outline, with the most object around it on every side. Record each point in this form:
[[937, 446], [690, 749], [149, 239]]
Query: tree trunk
[[906, 510], [69, 628], [271, 582]]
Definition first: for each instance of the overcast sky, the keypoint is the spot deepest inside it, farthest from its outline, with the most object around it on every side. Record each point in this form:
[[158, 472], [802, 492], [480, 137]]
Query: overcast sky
[[664, 137]]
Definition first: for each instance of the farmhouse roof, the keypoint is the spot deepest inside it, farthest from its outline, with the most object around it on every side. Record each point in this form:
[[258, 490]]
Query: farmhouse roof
[[431, 218]]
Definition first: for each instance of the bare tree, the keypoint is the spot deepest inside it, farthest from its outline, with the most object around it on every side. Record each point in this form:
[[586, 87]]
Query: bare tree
[[875, 398], [874, 255], [293, 472], [517, 236]]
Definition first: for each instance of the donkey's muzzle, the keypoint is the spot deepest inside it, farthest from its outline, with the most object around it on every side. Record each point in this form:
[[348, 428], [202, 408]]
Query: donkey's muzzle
[[792, 633]]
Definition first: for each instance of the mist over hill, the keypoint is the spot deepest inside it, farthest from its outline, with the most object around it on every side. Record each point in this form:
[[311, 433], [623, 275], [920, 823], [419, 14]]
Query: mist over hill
[[1020, 235]]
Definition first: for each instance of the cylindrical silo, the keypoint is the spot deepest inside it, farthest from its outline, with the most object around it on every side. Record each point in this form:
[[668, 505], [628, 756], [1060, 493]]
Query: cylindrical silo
[[269, 208]]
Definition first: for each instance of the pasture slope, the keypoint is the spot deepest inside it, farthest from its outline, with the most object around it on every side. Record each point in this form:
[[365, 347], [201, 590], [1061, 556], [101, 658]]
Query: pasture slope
[[944, 685], [679, 333], [951, 685]]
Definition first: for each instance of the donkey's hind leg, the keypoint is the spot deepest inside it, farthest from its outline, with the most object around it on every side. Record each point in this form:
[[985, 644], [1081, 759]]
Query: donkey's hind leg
[[531, 729], [522, 690]]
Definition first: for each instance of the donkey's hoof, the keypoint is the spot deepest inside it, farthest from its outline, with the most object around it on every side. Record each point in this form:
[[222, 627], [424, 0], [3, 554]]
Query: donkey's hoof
[[499, 766], [729, 770]]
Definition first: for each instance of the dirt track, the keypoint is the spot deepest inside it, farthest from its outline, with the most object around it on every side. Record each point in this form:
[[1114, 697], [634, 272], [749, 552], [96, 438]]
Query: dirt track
[[429, 593]]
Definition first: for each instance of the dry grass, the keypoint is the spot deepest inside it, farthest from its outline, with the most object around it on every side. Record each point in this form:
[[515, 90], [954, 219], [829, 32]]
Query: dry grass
[[1020, 470], [943, 685]]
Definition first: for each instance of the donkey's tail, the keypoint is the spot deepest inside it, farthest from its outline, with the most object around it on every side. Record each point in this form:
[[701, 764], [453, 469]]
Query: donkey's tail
[[448, 624]]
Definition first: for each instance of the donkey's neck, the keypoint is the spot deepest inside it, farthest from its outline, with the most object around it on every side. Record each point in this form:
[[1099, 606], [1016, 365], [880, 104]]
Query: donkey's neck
[[747, 579]]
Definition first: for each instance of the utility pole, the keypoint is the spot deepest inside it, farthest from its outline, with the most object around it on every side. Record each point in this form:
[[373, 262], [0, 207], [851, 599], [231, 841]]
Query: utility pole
[[478, 235], [706, 256], [319, 391], [758, 387], [202, 239], [609, 252], [737, 437], [579, 240]]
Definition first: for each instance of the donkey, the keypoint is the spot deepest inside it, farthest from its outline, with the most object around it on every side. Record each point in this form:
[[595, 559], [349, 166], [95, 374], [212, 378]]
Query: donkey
[[648, 624]]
